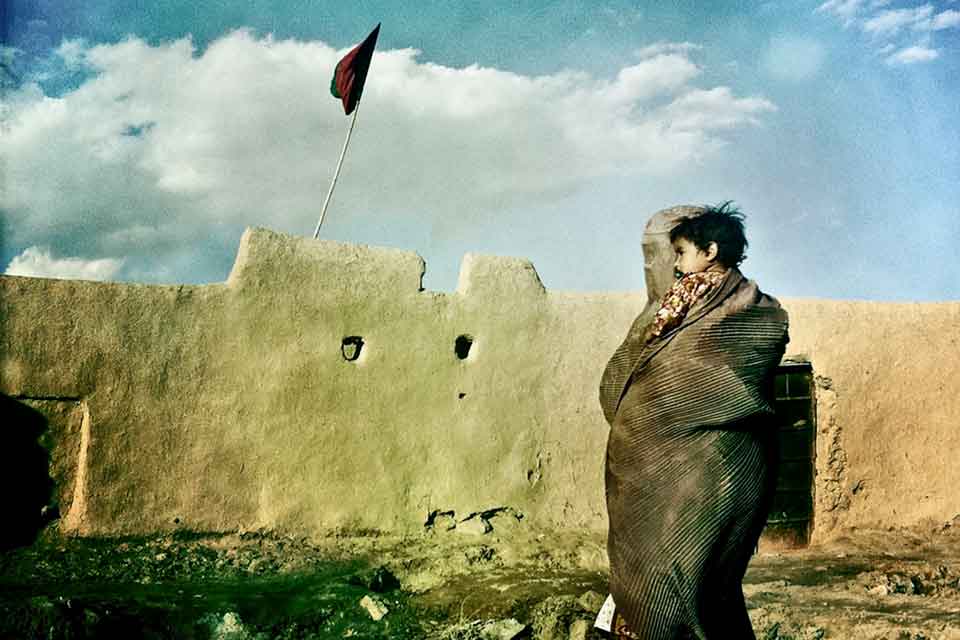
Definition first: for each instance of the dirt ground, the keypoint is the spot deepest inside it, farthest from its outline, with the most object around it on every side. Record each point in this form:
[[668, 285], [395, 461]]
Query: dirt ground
[[448, 585]]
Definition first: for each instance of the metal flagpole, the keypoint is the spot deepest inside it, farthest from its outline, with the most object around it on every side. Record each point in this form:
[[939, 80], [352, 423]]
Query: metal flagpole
[[336, 174]]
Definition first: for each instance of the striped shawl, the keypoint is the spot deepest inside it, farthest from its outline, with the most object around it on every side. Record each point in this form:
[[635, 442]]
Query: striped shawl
[[691, 461]]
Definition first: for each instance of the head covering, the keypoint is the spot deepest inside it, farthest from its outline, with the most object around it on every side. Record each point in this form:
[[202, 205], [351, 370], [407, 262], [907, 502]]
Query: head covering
[[657, 250]]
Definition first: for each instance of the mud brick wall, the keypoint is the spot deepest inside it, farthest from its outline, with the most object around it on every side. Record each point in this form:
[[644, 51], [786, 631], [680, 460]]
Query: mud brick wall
[[321, 388]]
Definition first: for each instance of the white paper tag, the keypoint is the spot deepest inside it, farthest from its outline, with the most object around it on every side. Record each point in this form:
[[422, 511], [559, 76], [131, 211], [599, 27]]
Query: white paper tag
[[605, 617]]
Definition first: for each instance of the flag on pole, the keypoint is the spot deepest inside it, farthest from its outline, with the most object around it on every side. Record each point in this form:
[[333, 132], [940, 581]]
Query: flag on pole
[[351, 72], [347, 84]]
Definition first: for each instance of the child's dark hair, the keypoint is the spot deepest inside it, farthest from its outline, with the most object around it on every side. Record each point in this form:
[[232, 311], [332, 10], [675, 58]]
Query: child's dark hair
[[722, 224]]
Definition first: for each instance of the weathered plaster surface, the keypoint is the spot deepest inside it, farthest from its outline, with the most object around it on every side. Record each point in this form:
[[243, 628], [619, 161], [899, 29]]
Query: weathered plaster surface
[[230, 406], [888, 405]]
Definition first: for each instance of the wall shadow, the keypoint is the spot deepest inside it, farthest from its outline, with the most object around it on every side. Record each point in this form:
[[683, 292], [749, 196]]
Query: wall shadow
[[24, 474]]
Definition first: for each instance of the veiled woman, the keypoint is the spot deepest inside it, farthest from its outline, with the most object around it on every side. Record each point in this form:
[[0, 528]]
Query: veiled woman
[[692, 453]]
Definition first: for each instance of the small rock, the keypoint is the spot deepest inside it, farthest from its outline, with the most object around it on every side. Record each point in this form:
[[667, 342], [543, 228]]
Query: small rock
[[505, 521], [502, 629], [879, 590], [475, 526], [592, 557], [230, 628], [375, 607], [551, 619], [49, 512], [579, 629], [591, 601]]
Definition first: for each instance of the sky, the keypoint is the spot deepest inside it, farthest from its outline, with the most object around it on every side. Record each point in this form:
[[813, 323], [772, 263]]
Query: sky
[[137, 144]]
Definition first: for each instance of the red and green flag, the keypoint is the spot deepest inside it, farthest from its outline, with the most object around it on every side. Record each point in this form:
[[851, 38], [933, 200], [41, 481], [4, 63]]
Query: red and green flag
[[351, 72]]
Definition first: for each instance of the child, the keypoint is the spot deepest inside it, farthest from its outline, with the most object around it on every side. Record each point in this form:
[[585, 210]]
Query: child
[[691, 458], [706, 246]]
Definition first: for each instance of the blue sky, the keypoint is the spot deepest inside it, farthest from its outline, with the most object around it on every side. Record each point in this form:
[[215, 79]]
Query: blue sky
[[139, 143]]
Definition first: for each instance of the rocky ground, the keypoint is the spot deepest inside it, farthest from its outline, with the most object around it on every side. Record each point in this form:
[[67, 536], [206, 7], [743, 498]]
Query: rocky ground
[[443, 585]]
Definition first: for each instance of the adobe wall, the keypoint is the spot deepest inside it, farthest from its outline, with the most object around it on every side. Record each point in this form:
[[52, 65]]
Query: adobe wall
[[231, 406], [888, 410]]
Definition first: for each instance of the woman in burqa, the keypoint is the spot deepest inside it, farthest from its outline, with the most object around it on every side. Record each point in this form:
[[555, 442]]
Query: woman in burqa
[[692, 452]]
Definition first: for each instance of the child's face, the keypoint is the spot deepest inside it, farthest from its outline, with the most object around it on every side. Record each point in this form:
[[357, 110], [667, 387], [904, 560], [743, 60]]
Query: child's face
[[691, 258]]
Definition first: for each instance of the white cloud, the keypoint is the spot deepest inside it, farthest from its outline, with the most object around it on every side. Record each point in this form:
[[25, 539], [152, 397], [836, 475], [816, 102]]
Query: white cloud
[[846, 10], [659, 48], [912, 55], [162, 147], [72, 52], [889, 22], [663, 75], [37, 262], [945, 20], [793, 58], [699, 110]]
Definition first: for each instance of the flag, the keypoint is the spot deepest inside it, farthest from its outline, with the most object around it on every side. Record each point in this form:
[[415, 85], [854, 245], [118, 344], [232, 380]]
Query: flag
[[351, 72]]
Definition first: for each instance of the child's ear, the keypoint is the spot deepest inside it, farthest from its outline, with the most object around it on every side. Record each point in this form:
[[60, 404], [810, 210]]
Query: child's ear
[[712, 251]]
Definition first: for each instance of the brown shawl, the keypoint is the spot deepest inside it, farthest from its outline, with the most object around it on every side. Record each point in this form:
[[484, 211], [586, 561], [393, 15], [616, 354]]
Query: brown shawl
[[691, 461]]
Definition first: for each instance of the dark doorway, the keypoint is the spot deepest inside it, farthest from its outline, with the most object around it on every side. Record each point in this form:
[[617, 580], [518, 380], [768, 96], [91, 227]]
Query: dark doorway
[[24, 464], [790, 522]]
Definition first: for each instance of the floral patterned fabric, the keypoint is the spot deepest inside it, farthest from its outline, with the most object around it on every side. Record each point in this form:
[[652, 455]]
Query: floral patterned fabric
[[680, 297]]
